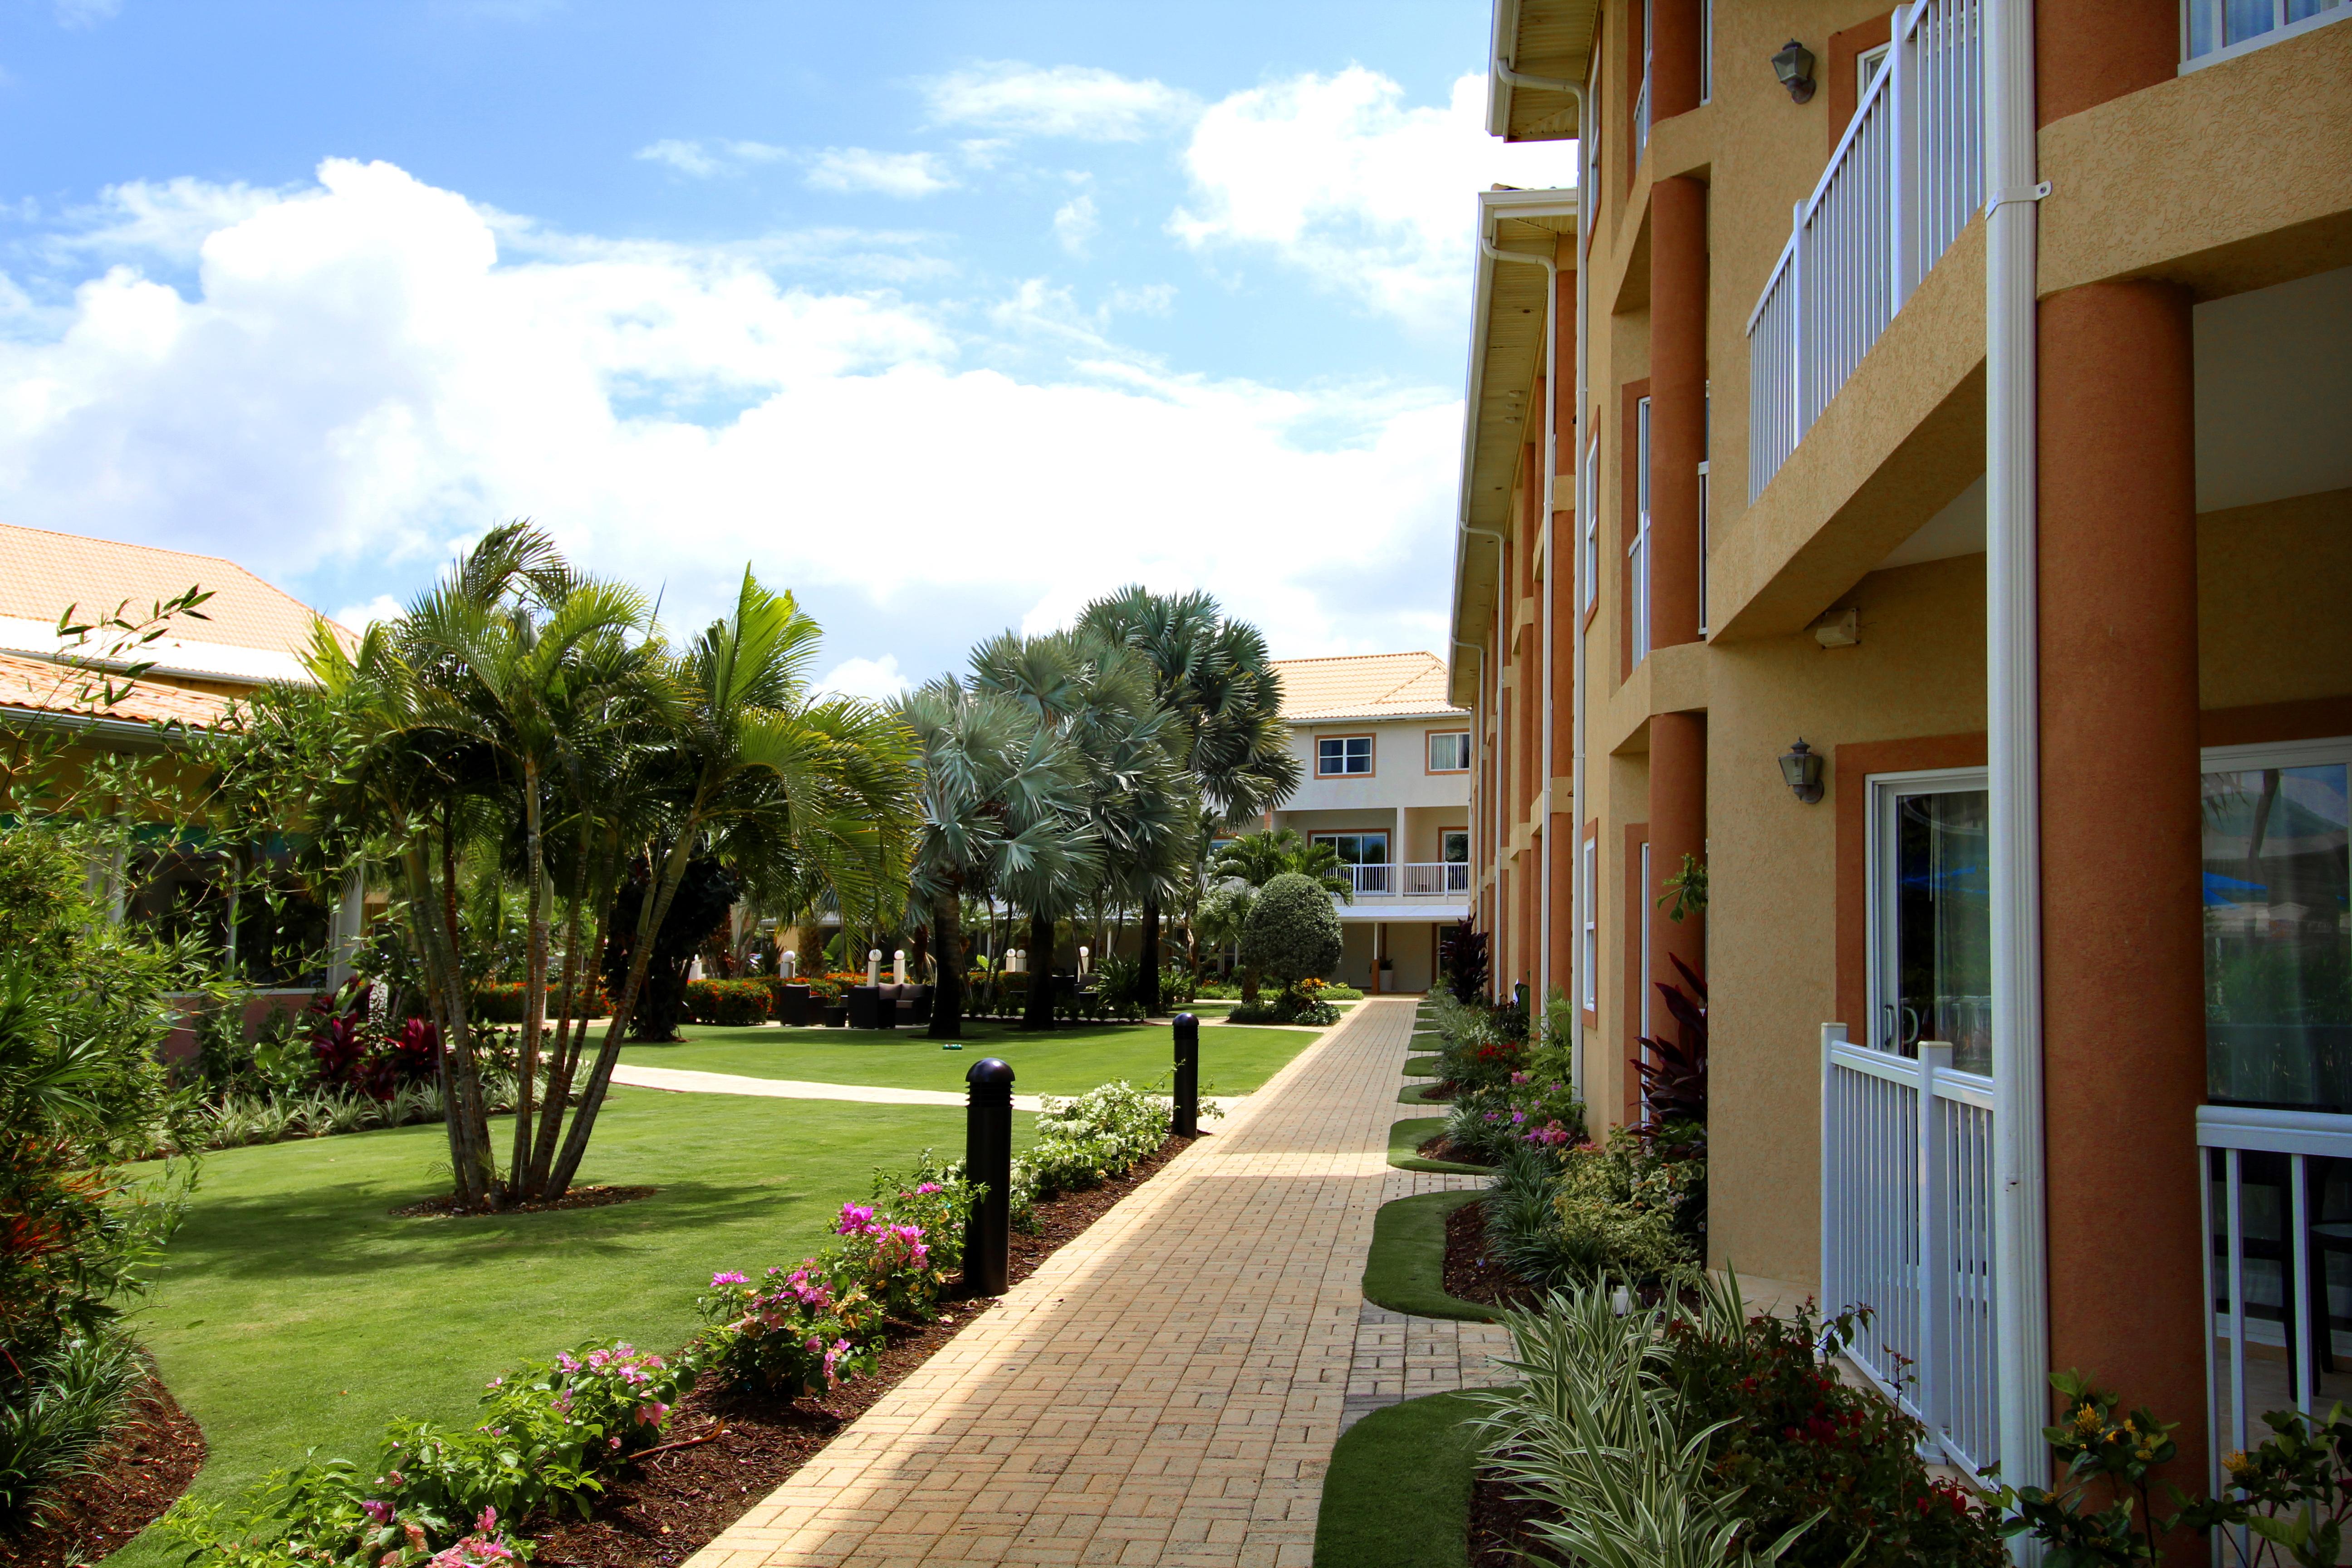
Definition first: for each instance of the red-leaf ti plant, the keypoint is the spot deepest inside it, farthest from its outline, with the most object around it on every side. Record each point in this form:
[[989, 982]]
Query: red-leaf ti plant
[[1674, 1072]]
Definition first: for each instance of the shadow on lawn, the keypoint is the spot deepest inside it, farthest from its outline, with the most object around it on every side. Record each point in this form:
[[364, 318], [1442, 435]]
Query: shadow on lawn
[[347, 1228]]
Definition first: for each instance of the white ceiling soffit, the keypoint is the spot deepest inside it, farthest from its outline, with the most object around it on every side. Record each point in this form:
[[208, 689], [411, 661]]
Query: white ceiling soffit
[[1540, 39], [2275, 392]]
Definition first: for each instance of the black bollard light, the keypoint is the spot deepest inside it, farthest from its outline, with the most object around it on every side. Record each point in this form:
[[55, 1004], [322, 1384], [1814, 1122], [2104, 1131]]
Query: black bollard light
[[988, 1161], [1186, 1123]]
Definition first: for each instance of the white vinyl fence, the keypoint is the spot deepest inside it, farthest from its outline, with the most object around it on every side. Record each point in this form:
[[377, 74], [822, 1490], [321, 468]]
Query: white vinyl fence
[[1902, 185], [1906, 1230]]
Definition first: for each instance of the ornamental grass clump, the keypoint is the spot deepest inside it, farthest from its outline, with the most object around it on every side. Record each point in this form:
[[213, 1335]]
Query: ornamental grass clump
[[546, 1436]]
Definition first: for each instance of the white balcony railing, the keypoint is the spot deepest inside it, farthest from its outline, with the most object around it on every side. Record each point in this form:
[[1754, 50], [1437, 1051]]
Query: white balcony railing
[[1898, 190], [1412, 879], [1906, 1230], [2278, 1267]]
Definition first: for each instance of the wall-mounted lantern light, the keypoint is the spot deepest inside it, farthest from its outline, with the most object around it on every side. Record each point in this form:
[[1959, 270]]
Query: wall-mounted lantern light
[[1794, 66], [1801, 765]]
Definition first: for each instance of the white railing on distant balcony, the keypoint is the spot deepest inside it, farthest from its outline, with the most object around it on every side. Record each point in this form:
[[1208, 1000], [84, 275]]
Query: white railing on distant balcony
[[2213, 30], [1898, 190], [1641, 120], [1906, 1230], [1412, 879], [2272, 1231]]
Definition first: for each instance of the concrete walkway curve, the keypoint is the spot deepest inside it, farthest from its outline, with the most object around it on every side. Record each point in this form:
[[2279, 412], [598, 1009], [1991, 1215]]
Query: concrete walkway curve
[[1166, 1389]]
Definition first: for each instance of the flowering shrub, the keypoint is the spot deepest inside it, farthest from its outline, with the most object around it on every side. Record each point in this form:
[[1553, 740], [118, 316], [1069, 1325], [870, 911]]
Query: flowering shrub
[[546, 1434], [1536, 1105], [732, 1003], [823, 1321], [503, 1002], [1085, 1141], [1569, 1213]]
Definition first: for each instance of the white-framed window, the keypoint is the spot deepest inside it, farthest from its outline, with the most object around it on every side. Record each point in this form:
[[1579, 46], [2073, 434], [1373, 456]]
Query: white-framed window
[[1930, 914], [2278, 937], [1453, 847], [1449, 750], [1588, 880], [1865, 69], [1642, 911], [1588, 506], [1637, 554], [2214, 30], [1641, 103], [1369, 848], [1343, 756]]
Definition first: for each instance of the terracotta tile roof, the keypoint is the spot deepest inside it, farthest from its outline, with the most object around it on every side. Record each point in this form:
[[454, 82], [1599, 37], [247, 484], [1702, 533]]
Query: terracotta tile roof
[[43, 687], [1364, 686], [251, 631]]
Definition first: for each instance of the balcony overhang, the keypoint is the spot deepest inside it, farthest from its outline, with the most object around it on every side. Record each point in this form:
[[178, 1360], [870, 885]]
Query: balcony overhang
[[1545, 40], [1510, 313]]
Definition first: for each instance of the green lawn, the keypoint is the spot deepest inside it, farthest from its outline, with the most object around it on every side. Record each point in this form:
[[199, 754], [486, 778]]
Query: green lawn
[[292, 1310], [1234, 1060]]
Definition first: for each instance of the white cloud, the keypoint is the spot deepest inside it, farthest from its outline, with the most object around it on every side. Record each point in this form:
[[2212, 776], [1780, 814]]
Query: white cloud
[[168, 218], [889, 173], [359, 617], [875, 680], [86, 13], [1335, 175], [1084, 101], [1074, 223], [358, 379], [702, 159]]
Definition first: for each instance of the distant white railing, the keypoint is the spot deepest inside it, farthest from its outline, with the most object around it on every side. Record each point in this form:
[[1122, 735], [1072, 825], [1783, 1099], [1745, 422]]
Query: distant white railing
[[1410, 879], [1906, 1230], [1641, 119], [1898, 190], [2268, 1239]]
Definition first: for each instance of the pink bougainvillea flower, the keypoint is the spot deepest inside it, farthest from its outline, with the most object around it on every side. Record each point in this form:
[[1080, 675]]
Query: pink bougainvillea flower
[[376, 1509], [728, 1277]]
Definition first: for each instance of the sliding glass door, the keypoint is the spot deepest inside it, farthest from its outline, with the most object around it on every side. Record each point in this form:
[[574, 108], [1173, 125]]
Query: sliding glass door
[[1931, 916]]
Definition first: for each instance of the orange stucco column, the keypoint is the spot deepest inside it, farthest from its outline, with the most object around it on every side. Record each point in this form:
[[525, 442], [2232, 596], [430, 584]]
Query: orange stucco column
[[1677, 828], [2123, 1005], [1675, 33], [2088, 51], [1677, 404]]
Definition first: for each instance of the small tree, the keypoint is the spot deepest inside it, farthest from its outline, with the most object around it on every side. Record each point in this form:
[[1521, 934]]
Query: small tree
[[1292, 932]]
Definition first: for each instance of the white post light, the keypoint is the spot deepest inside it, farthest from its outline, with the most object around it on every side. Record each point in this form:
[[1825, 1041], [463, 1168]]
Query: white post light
[[899, 967], [1082, 961], [874, 966], [792, 964]]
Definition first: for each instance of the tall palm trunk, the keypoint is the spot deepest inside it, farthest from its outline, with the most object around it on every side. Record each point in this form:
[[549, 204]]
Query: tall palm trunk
[[471, 1101], [947, 991], [1039, 1014], [1147, 955], [534, 983], [600, 1078], [445, 992]]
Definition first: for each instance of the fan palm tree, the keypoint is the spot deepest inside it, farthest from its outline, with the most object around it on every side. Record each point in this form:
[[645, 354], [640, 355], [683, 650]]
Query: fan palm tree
[[1003, 806], [1257, 859], [1213, 676]]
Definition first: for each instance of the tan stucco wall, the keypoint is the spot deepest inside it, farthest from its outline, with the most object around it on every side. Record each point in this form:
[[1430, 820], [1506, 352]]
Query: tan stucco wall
[[2274, 602]]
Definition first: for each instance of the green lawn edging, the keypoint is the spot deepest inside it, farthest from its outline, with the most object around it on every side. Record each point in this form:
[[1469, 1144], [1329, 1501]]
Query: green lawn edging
[[1398, 1492], [1405, 1270], [1417, 1094], [1405, 1139], [1421, 1067]]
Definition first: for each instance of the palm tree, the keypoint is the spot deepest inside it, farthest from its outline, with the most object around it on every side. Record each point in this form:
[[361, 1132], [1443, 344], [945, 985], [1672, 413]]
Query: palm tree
[[1097, 696], [1213, 675], [1257, 859], [1001, 794], [750, 755]]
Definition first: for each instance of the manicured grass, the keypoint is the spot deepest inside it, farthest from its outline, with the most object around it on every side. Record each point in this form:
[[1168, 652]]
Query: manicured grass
[[1421, 1067], [1405, 1139], [1060, 1061], [292, 1310], [1398, 1492], [1405, 1270], [1418, 1094]]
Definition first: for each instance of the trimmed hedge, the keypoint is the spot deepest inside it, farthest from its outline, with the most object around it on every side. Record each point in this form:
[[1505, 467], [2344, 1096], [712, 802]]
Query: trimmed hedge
[[500, 1002], [729, 1003]]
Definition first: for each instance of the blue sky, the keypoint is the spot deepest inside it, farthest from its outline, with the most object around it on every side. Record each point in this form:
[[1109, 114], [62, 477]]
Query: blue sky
[[947, 317]]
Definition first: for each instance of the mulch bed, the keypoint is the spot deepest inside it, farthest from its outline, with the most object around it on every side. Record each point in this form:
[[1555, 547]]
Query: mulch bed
[[1497, 1524], [448, 1207], [669, 1506], [138, 1473], [1470, 1274], [1443, 1147]]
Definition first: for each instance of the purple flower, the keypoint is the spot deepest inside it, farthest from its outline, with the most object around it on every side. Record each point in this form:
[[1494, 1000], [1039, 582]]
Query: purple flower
[[854, 1219], [929, 1187], [377, 1510], [729, 1278]]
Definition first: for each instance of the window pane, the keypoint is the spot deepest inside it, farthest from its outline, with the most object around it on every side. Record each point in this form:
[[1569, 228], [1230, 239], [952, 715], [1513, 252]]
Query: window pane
[[2246, 18], [2278, 940], [1943, 928], [1454, 847]]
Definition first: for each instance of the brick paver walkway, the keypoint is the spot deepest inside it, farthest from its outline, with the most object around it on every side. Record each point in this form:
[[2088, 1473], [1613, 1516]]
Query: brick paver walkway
[[1166, 1389]]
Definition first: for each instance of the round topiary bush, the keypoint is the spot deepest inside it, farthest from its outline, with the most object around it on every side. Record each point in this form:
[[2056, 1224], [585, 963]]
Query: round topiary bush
[[1293, 933]]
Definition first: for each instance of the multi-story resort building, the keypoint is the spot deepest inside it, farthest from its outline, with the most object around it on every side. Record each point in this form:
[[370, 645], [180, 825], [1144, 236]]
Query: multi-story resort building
[[1908, 477], [1384, 769]]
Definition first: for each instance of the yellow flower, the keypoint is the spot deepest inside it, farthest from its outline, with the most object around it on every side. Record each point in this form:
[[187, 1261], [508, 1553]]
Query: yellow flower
[[2087, 1418], [2237, 1464]]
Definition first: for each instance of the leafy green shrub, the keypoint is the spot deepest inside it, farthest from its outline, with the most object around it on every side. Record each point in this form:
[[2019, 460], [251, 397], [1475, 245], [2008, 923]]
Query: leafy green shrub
[[500, 1002], [64, 1404], [1293, 933], [729, 1003], [1565, 1216], [547, 1434]]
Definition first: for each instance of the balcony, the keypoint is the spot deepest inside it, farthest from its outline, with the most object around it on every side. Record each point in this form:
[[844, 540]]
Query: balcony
[[1412, 879], [1905, 180]]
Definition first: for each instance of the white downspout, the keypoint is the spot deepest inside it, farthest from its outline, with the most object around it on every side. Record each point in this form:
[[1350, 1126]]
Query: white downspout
[[1589, 491], [1550, 266], [2020, 1298]]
